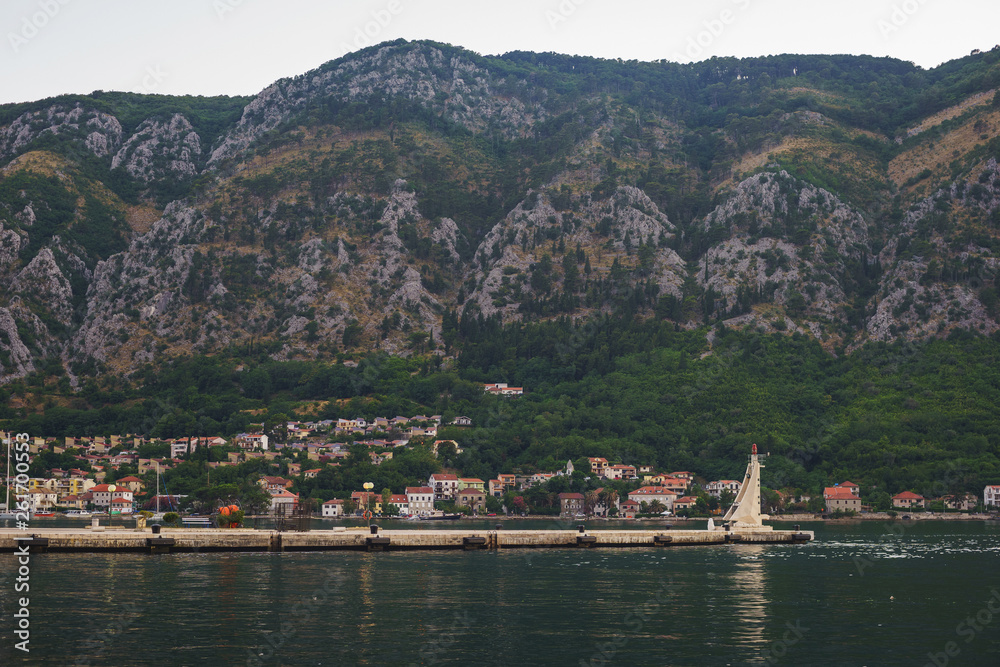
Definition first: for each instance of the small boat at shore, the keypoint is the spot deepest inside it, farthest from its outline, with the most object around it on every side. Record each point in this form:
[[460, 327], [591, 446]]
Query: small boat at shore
[[442, 517], [76, 514]]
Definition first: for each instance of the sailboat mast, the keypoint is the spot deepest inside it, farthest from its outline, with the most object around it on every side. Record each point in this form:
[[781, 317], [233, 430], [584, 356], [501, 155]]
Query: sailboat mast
[[157, 487], [6, 481]]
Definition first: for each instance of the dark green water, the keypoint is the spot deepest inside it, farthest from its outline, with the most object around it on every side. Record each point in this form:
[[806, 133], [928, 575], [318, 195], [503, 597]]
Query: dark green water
[[856, 596]]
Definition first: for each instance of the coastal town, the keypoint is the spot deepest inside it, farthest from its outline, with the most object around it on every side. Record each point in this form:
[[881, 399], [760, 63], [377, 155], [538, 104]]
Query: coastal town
[[112, 476]]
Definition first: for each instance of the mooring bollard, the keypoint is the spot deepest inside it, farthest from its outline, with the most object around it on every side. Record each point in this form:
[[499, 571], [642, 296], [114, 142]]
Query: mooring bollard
[[374, 529], [156, 528], [581, 528]]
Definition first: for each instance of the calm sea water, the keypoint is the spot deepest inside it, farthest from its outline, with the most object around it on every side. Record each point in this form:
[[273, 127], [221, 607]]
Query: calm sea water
[[858, 595]]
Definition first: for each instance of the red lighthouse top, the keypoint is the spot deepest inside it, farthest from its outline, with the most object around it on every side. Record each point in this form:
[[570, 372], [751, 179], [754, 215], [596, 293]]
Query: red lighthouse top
[[755, 449]]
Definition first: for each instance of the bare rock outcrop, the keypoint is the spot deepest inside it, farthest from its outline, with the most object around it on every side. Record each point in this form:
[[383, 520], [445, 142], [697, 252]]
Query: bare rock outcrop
[[161, 149]]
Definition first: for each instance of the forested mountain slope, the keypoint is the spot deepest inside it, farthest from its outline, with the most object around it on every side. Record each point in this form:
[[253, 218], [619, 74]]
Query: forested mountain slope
[[352, 207]]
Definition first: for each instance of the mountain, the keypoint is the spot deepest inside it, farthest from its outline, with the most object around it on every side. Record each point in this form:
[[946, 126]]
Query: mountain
[[369, 203]]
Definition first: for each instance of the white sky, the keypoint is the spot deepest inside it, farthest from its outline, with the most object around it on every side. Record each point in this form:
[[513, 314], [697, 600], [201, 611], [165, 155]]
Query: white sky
[[238, 47]]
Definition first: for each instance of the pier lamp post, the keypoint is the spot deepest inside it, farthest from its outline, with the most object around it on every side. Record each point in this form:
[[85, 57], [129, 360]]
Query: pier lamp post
[[368, 486]]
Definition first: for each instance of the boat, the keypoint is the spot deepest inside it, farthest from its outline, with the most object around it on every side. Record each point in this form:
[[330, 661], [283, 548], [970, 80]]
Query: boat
[[44, 515], [442, 517], [76, 514]]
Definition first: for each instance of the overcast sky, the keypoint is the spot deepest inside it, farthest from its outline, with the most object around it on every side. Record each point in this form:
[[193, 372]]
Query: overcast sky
[[238, 47]]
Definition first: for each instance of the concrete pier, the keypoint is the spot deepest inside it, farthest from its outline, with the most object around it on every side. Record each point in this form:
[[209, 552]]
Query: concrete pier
[[82, 540]]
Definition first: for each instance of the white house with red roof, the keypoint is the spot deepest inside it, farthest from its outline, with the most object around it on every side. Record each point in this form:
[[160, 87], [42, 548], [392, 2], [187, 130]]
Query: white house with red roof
[[620, 471], [647, 494], [908, 499], [104, 494], [445, 485], [991, 496], [333, 508], [401, 501], [121, 506]]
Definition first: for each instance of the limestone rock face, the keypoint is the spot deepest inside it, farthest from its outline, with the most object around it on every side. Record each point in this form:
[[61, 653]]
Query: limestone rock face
[[99, 132], [44, 281], [161, 149], [456, 87], [612, 230]]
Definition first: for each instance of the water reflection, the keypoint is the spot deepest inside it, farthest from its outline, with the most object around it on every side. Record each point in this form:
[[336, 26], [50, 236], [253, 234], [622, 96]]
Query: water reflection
[[750, 596]]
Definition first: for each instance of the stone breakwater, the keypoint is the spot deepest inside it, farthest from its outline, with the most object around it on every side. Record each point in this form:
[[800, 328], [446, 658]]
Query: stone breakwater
[[362, 539]]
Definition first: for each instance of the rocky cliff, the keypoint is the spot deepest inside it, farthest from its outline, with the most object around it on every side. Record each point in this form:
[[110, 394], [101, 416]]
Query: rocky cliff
[[356, 206]]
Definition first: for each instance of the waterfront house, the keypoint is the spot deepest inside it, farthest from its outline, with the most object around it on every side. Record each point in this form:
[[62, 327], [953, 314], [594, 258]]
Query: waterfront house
[[283, 501], [685, 503], [647, 494], [991, 496], [472, 483], [401, 502], [72, 502], [962, 502], [495, 488], [629, 508], [367, 501], [908, 499], [445, 486], [420, 500], [570, 504], [841, 498], [333, 508], [121, 506], [472, 498], [42, 498], [103, 494]]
